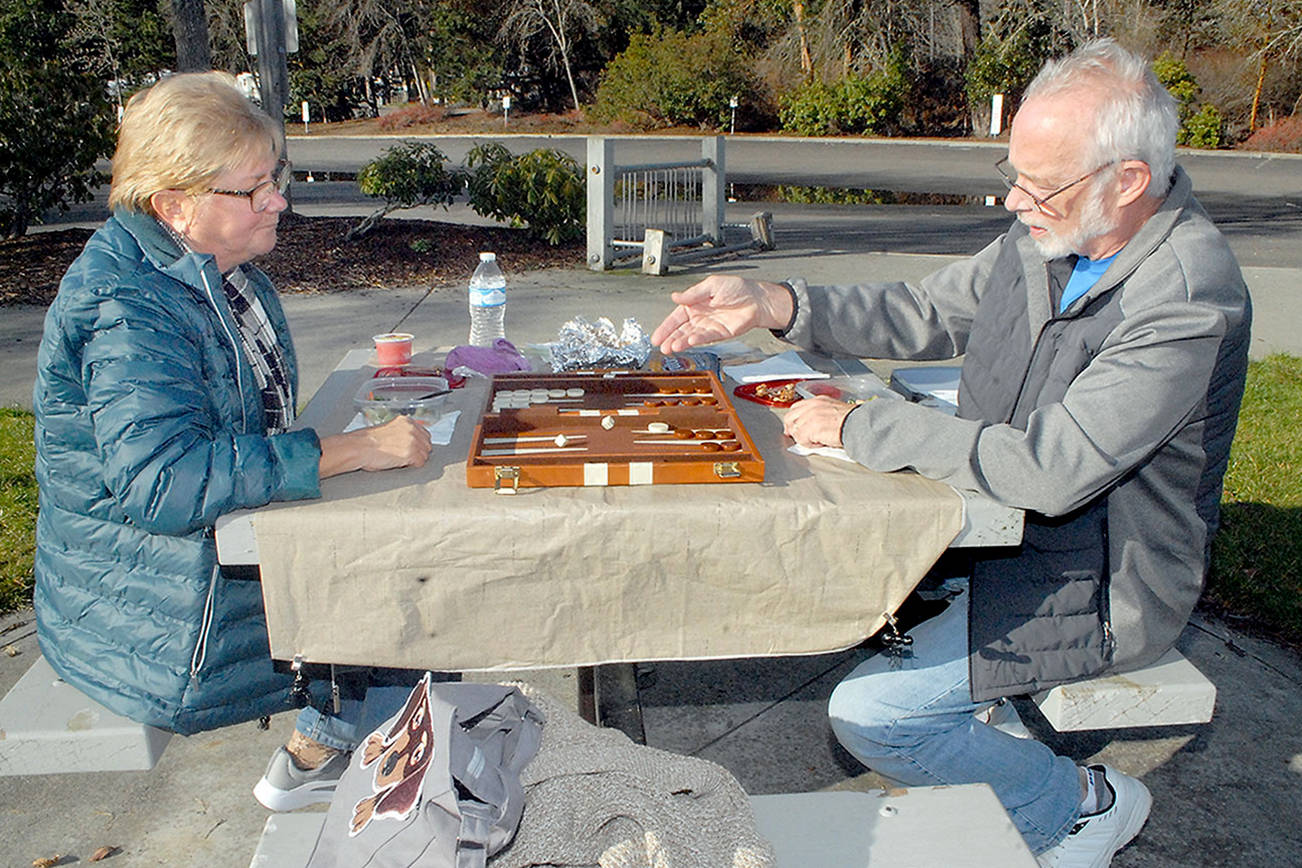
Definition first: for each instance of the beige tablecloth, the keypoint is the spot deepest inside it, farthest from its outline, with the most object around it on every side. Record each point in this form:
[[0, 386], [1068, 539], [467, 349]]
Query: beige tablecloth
[[413, 568]]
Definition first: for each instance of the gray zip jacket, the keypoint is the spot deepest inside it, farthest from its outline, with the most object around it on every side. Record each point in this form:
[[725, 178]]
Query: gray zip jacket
[[1109, 423]]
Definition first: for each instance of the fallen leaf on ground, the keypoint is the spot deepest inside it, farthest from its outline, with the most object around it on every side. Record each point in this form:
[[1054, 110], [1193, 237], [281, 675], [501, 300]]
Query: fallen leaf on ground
[[12, 650], [47, 861], [104, 853]]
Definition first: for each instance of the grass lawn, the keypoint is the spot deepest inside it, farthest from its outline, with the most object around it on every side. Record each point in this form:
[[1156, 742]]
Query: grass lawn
[[1256, 560], [1257, 555], [17, 509]]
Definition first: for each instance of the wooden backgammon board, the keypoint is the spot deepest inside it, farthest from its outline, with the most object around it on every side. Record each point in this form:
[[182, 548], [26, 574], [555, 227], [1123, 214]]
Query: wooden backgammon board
[[609, 428]]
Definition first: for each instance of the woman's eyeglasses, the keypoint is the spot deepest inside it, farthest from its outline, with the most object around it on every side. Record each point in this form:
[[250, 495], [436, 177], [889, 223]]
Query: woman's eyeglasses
[[259, 196]]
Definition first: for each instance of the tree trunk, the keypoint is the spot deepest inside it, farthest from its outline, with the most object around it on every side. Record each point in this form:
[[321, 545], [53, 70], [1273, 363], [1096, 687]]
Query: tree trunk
[[1256, 95], [969, 26], [806, 63], [574, 91], [193, 53]]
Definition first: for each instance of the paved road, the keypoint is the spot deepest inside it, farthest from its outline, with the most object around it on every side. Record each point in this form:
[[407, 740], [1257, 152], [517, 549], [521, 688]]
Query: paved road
[[1255, 198], [957, 167]]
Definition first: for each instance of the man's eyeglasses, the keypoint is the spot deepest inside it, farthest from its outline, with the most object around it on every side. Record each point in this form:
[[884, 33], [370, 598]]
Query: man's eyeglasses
[[1041, 202], [259, 196]]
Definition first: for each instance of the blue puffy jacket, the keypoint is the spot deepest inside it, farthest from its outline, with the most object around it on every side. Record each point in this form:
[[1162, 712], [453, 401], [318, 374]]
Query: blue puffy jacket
[[149, 425]]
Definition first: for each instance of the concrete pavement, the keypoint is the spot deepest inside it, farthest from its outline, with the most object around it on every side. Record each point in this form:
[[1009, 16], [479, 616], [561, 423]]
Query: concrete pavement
[[1226, 793]]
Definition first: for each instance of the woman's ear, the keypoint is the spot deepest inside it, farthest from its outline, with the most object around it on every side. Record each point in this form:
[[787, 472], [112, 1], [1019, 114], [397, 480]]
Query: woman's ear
[[170, 206]]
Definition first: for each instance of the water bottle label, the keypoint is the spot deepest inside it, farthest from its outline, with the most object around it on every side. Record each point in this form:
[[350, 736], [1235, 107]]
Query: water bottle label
[[487, 296]]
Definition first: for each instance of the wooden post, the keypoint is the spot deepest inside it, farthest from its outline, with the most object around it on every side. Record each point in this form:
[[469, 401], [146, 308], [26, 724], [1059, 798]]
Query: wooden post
[[273, 69], [190, 30]]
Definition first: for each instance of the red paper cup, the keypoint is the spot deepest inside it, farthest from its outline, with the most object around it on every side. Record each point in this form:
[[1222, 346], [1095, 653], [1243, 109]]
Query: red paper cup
[[392, 349]]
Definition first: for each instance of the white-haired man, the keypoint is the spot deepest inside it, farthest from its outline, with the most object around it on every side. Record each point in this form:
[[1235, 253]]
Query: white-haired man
[[1105, 341]]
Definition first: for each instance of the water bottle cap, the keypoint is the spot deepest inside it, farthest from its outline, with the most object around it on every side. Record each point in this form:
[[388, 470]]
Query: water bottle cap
[[487, 257]]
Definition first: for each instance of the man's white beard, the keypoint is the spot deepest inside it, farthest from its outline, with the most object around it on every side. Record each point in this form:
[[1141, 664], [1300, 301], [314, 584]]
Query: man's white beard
[[1092, 224]]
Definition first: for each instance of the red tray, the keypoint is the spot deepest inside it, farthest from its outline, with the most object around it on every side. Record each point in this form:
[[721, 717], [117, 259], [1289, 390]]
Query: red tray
[[774, 393], [454, 382]]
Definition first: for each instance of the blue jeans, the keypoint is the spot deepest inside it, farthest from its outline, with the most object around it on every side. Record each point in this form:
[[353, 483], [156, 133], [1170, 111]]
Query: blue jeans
[[910, 719], [373, 697]]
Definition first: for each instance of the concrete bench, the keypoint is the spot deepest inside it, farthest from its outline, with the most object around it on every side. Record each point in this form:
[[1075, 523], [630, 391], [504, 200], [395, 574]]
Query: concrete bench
[[1171, 692], [48, 726], [809, 830]]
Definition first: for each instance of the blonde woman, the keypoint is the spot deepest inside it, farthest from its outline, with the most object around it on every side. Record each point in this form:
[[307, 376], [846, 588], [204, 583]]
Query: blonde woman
[[167, 384]]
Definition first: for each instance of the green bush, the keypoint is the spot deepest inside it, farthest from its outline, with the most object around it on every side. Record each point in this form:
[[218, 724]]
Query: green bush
[[1201, 125], [542, 190], [1205, 129], [405, 176], [668, 78], [55, 120], [1003, 65], [855, 105]]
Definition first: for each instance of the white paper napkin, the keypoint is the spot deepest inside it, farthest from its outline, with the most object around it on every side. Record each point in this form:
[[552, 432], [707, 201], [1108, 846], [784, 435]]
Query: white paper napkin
[[784, 366], [825, 451], [440, 433]]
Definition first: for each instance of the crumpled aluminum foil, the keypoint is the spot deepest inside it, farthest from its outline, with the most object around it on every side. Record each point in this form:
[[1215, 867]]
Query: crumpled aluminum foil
[[584, 344]]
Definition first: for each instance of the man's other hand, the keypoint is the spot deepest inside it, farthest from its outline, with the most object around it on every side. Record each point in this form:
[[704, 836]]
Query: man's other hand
[[721, 307]]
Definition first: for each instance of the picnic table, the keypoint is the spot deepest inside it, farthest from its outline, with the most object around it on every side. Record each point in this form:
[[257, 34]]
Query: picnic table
[[412, 568]]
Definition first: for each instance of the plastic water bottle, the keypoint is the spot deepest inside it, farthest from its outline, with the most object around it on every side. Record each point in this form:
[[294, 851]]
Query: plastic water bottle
[[487, 302]]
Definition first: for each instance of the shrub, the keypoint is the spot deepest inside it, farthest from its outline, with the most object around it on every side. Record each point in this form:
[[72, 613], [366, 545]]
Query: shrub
[[669, 78], [405, 176], [1005, 65], [854, 105], [55, 119], [1205, 129], [1201, 126], [1008, 56], [411, 116], [542, 190]]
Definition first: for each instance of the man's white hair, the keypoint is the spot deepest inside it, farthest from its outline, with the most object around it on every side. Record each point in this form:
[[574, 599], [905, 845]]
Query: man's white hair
[[1136, 119]]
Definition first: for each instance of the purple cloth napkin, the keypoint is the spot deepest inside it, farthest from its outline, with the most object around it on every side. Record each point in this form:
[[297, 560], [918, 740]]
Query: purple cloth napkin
[[501, 358]]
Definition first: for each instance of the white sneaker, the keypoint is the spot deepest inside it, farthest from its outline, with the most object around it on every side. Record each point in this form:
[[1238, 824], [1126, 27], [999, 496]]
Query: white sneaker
[[286, 787], [1096, 838], [1003, 716]]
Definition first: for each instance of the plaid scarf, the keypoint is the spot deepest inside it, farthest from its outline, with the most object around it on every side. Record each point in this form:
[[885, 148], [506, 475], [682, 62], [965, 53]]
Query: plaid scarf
[[258, 340]]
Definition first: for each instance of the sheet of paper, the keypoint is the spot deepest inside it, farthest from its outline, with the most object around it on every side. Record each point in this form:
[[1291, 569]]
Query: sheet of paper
[[440, 433], [784, 366]]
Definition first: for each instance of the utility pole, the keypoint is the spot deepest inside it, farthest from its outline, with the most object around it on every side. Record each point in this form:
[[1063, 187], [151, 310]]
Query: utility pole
[[191, 34], [271, 41], [265, 22]]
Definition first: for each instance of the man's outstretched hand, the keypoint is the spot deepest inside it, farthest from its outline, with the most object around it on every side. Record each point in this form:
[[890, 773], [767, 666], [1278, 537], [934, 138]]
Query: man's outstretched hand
[[720, 307]]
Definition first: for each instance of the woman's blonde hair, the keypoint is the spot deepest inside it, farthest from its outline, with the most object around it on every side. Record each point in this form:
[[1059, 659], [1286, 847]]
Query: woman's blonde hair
[[184, 132]]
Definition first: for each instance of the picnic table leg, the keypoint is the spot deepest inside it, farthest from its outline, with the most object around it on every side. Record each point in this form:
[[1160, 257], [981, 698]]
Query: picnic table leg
[[587, 699], [612, 692]]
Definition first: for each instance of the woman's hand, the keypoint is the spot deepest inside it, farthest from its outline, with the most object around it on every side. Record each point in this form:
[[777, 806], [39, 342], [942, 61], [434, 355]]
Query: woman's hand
[[722, 306], [816, 421], [400, 442]]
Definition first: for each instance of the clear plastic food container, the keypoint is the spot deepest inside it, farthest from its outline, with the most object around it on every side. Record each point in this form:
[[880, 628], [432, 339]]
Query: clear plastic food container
[[383, 398]]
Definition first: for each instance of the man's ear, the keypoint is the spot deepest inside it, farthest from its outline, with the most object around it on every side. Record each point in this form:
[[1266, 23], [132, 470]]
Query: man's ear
[[1135, 178], [170, 207]]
